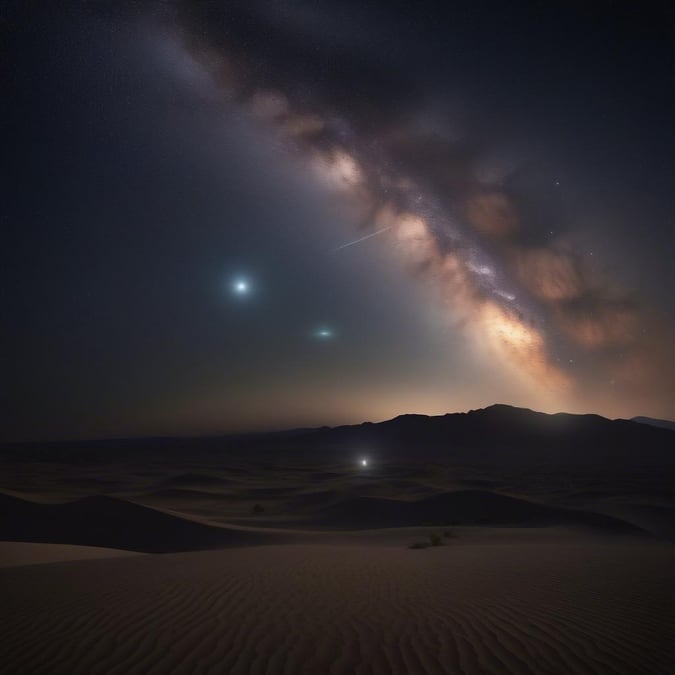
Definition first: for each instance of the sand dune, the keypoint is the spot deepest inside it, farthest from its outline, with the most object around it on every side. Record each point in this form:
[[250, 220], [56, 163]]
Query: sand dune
[[119, 524], [585, 609], [196, 480], [114, 523], [529, 582], [479, 483], [183, 494], [322, 580], [658, 520], [17, 554], [462, 507]]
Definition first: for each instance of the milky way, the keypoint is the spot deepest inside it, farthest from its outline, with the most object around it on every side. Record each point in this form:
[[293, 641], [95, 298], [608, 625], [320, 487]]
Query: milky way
[[455, 213], [257, 214]]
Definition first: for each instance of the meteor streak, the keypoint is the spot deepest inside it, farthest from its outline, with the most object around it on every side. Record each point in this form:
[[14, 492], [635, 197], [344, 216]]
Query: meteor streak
[[368, 236]]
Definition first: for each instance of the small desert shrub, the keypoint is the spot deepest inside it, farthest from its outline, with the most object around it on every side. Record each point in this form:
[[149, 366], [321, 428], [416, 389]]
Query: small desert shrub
[[419, 544], [435, 539], [257, 509]]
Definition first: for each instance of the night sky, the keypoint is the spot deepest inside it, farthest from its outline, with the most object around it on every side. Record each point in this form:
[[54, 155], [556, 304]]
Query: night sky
[[264, 214]]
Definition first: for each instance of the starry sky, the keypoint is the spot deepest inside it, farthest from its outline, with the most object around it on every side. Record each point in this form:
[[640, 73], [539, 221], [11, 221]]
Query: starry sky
[[229, 216]]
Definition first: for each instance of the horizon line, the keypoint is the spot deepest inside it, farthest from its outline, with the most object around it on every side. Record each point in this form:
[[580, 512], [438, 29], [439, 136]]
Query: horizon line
[[291, 429]]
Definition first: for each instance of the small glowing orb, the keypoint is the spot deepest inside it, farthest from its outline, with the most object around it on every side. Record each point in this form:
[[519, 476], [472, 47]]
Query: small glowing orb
[[363, 462], [241, 286], [324, 333]]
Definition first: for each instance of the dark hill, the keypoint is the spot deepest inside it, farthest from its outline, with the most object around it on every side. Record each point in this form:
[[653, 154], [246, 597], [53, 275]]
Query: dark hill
[[499, 433], [505, 433], [663, 424]]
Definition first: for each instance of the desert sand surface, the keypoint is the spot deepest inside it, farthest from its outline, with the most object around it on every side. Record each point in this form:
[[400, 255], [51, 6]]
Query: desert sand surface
[[585, 607], [17, 554], [295, 564], [306, 493]]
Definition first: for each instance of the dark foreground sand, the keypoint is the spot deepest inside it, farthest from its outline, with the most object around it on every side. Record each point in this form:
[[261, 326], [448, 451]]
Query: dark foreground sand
[[580, 606]]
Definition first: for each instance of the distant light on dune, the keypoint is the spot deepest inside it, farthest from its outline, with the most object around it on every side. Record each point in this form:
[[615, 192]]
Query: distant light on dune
[[363, 462]]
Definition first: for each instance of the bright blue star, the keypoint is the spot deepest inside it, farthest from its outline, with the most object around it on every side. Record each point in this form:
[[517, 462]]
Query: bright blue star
[[241, 286]]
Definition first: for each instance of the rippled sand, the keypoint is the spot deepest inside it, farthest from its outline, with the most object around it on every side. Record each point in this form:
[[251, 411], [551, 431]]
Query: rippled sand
[[587, 607]]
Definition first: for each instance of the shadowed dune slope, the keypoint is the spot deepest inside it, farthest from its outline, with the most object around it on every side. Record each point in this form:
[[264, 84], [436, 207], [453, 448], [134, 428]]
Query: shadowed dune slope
[[463, 507], [587, 609], [18, 553], [113, 523], [196, 480], [180, 495]]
